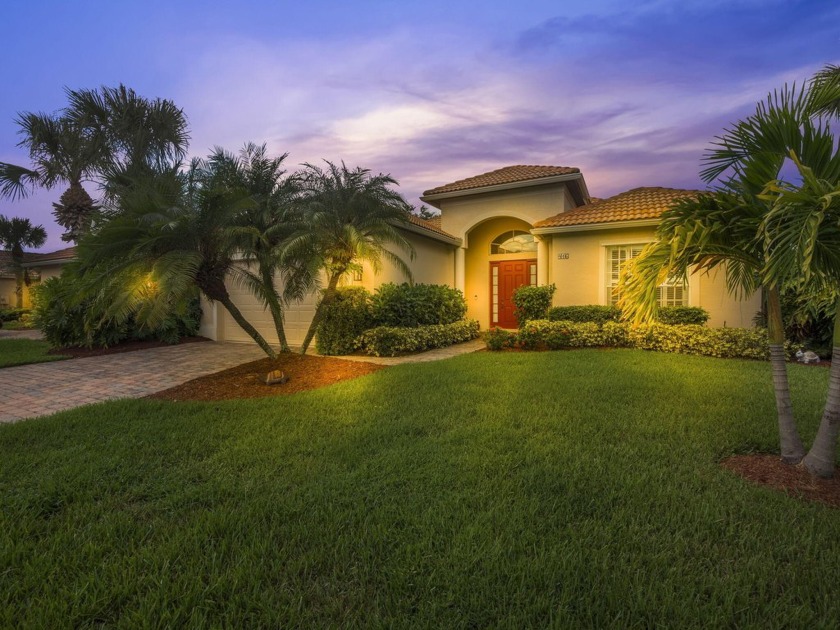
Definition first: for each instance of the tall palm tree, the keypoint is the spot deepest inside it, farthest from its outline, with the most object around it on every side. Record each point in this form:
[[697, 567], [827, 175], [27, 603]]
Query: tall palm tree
[[104, 137], [138, 136], [62, 154], [716, 231], [350, 217], [15, 234], [724, 228], [803, 229], [174, 232]]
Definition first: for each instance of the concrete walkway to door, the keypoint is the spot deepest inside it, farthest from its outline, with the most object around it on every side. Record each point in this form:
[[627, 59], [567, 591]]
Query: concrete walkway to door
[[34, 390]]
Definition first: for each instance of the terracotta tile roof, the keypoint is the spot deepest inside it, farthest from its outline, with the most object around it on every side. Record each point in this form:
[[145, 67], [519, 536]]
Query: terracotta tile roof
[[506, 175], [68, 253], [633, 205], [7, 268], [432, 225]]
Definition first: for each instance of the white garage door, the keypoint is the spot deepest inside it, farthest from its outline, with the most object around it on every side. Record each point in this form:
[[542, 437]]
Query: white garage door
[[297, 320]]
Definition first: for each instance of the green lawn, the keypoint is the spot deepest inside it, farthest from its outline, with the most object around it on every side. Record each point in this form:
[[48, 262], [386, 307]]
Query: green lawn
[[566, 489], [23, 351]]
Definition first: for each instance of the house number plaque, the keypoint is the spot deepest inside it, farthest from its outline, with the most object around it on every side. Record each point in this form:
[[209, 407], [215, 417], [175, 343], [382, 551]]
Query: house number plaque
[[563, 256]]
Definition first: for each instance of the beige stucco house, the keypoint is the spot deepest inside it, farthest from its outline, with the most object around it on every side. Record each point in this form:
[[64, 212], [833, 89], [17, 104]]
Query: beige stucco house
[[513, 226]]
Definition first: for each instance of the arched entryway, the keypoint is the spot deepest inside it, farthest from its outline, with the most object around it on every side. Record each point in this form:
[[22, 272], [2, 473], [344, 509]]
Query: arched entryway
[[500, 255]]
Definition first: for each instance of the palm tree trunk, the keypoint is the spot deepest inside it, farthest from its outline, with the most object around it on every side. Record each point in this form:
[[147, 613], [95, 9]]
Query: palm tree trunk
[[319, 311], [276, 309], [246, 325], [820, 459], [19, 288], [791, 445]]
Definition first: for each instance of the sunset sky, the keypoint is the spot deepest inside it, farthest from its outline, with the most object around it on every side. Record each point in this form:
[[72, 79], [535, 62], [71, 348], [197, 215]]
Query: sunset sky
[[430, 91]]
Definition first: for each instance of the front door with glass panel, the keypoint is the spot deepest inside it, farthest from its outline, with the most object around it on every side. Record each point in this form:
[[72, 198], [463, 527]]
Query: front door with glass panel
[[506, 277]]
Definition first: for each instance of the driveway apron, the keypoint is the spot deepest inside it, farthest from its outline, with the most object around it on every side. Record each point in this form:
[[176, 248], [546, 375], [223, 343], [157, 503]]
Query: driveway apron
[[34, 390]]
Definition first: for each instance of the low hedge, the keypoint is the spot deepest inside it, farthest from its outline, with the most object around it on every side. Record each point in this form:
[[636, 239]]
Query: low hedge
[[12, 314], [685, 339], [586, 313], [389, 341], [682, 315], [602, 314]]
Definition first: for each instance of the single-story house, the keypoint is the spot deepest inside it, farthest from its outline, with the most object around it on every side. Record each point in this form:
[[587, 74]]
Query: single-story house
[[39, 266], [514, 226]]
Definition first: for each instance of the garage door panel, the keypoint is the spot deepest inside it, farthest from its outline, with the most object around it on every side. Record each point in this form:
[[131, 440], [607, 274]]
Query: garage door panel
[[297, 316]]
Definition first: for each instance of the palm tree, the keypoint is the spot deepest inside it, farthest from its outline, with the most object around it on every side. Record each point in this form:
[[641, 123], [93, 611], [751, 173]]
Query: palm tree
[[350, 217], [61, 153], [716, 231], [825, 92], [265, 226], [138, 136], [106, 137], [803, 230], [724, 227], [174, 232], [15, 234]]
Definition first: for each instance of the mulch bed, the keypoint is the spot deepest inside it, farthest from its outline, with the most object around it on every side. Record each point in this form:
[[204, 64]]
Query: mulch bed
[[246, 381], [126, 346], [795, 481]]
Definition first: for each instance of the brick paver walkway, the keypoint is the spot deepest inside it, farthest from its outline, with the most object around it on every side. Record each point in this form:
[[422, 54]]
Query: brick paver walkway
[[28, 391], [44, 388]]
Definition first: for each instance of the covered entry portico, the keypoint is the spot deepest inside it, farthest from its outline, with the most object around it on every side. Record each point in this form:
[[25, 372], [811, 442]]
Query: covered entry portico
[[497, 256]]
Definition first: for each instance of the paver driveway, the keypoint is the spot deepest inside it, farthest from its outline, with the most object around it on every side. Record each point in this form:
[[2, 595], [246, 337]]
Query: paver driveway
[[36, 390]]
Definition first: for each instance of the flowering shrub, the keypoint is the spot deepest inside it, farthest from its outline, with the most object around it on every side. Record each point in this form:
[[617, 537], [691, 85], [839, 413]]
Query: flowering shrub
[[389, 341], [498, 338], [685, 339]]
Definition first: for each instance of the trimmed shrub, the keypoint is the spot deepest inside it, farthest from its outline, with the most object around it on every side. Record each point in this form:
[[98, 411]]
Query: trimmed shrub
[[65, 321], [602, 314], [409, 305], [389, 341], [532, 302], [541, 333], [343, 321], [498, 338], [676, 315], [682, 338], [586, 313], [12, 314]]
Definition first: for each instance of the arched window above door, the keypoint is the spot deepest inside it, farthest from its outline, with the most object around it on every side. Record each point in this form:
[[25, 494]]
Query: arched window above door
[[513, 242]]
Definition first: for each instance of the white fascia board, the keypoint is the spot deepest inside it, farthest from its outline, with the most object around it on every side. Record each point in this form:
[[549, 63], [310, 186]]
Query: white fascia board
[[588, 227], [554, 179], [411, 227]]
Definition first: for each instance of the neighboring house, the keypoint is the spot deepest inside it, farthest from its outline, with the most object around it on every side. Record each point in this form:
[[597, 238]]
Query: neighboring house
[[39, 266], [514, 226], [8, 281]]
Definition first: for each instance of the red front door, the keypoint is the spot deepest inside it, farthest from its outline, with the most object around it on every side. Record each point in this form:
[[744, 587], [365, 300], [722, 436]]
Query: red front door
[[505, 278]]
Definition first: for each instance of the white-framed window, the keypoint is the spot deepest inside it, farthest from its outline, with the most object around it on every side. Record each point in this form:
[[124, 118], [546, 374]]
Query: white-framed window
[[513, 242], [670, 293]]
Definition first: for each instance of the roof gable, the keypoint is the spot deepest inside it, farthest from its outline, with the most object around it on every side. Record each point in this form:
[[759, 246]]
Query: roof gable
[[506, 175]]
